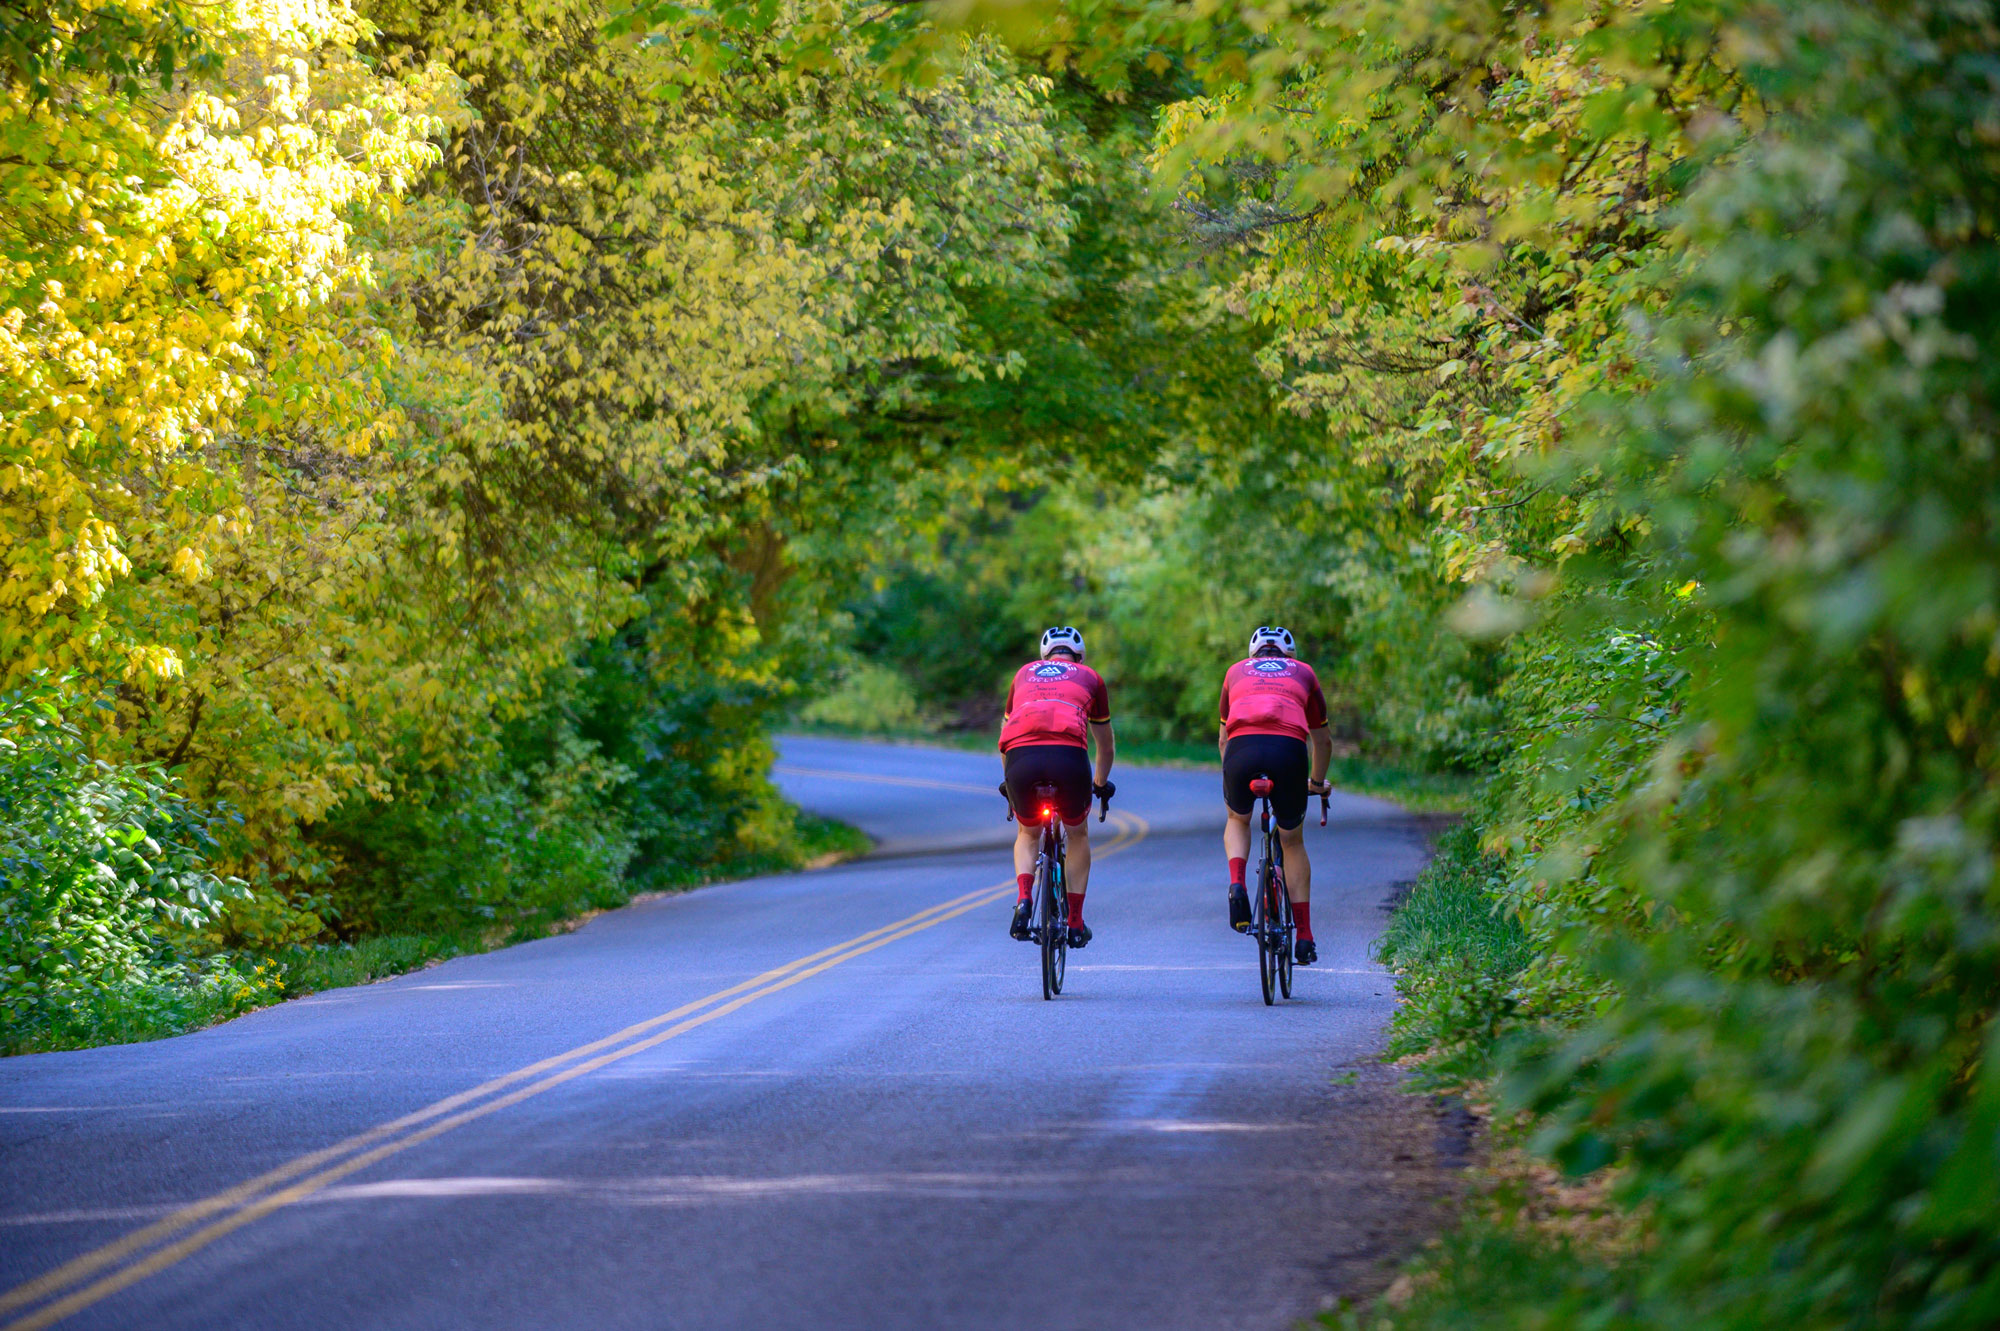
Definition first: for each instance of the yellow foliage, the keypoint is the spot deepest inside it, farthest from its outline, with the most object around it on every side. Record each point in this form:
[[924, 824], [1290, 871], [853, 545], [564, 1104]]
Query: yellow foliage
[[344, 395], [154, 250]]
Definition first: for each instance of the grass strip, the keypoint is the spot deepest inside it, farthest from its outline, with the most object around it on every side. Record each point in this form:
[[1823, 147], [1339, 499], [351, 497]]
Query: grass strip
[[1497, 1270], [1530, 1249], [1456, 957]]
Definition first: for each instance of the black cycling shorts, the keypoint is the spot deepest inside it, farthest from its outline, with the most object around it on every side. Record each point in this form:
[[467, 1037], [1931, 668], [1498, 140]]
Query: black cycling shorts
[[1279, 757], [1064, 766]]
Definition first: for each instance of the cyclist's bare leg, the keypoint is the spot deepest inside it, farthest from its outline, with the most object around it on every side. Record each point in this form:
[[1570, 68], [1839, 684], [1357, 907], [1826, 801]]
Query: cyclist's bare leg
[[1236, 849], [1076, 858], [1236, 836], [1298, 865], [1026, 842]]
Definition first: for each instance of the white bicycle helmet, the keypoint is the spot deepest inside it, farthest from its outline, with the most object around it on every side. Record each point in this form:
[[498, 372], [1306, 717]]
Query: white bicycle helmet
[[1268, 636], [1062, 636]]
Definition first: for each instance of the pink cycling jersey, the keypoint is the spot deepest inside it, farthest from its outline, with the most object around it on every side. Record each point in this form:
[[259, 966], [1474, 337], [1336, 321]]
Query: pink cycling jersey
[[1271, 695], [1051, 702]]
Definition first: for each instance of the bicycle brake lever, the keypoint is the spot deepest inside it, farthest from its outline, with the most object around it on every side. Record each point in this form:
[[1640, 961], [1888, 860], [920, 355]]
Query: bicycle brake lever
[[1322, 808]]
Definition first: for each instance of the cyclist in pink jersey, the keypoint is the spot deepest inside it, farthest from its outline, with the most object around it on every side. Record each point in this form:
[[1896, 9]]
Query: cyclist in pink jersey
[[1272, 709], [1056, 706]]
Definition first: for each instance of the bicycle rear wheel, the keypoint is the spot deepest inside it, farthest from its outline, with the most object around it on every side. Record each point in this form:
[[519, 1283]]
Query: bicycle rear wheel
[[1055, 933], [1262, 925]]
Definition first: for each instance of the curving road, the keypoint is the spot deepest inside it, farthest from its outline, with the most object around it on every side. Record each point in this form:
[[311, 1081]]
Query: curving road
[[826, 1099]]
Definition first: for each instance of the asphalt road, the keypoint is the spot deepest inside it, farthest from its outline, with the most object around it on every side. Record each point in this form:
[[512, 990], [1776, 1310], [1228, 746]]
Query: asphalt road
[[827, 1099]]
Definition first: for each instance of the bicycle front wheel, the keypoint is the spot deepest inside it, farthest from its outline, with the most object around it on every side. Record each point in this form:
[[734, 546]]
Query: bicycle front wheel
[[1051, 984], [1060, 962], [1055, 931], [1263, 926]]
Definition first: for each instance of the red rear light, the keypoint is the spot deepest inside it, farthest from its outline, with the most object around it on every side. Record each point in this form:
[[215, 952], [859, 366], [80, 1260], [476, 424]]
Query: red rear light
[[1048, 811]]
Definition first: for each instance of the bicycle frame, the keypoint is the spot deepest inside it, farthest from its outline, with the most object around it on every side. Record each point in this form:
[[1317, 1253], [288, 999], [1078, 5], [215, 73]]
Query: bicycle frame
[[1271, 909], [1048, 913], [1048, 924], [1051, 866]]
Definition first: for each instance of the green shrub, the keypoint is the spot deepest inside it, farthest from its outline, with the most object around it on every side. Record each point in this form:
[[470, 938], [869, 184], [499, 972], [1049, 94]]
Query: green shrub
[[616, 781], [106, 879], [694, 735], [485, 842], [953, 640], [1781, 906], [174, 997], [1457, 956], [872, 698]]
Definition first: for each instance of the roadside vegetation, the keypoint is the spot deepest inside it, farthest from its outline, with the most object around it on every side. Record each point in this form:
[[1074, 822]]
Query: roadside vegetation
[[1649, 355], [1668, 332], [115, 928], [440, 445], [428, 442]]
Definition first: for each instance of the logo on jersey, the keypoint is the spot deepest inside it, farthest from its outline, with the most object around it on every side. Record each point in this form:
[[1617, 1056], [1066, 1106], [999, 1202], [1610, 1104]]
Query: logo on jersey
[[1051, 671], [1270, 667]]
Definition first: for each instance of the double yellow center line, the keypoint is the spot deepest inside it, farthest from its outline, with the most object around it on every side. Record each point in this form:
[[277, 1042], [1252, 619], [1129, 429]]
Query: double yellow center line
[[104, 1271]]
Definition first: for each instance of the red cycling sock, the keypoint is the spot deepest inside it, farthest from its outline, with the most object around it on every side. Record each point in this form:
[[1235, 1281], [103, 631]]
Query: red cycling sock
[[1075, 909], [1302, 916], [1236, 867], [1027, 884]]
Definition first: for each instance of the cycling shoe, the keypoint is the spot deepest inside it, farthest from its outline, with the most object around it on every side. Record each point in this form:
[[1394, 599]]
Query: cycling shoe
[[1239, 908], [1305, 952], [1019, 927], [1079, 934]]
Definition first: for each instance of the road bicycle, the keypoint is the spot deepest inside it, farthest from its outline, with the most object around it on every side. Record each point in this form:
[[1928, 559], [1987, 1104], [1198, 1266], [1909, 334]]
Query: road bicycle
[[1048, 919], [1271, 909]]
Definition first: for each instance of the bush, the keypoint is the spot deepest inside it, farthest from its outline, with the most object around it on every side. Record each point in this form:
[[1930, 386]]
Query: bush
[[1457, 955], [173, 998], [106, 879], [485, 842], [870, 697], [954, 640], [616, 781], [1759, 863]]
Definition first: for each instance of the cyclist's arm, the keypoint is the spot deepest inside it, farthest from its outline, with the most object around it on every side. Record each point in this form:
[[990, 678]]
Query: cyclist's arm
[[1322, 747], [1222, 740], [1100, 733]]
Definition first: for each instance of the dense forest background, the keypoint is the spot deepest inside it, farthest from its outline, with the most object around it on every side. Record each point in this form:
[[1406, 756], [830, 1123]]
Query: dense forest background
[[440, 441]]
